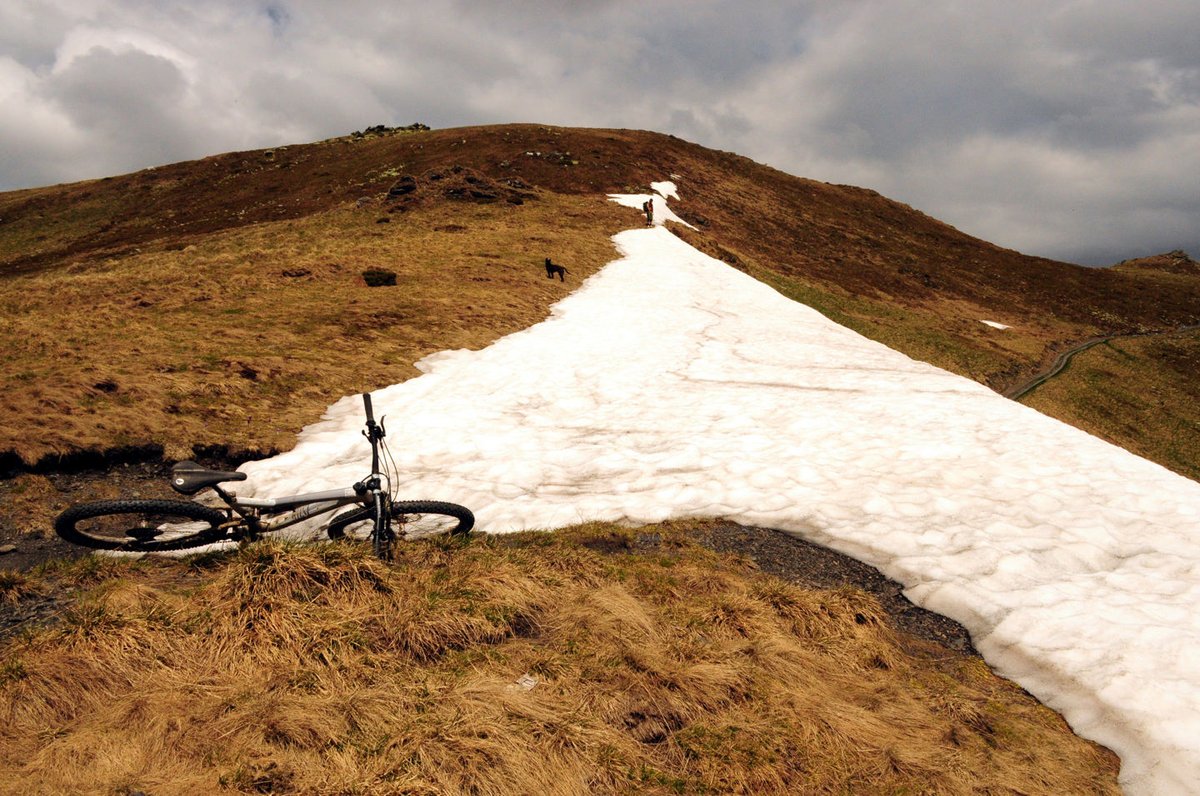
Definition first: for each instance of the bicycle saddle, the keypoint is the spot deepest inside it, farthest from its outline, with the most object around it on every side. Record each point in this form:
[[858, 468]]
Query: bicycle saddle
[[189, 477]]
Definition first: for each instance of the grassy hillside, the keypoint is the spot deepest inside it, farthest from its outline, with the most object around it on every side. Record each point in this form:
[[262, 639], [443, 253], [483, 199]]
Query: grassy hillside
[[220, 303], [593, 660], [229, 308], [217, 306], [243, 336], [1142, 393], [1139, 392]]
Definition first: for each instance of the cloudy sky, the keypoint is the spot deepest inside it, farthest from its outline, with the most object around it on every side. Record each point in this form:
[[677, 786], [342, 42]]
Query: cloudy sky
[[1065, 128]]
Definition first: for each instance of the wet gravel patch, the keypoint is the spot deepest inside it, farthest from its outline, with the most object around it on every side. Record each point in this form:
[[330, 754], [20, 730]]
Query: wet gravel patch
[[26, 527], [807, 564], [29, 612]]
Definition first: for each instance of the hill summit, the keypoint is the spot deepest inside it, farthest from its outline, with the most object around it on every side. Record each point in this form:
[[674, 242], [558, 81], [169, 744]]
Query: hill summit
[[1176, 262], [176, 311]]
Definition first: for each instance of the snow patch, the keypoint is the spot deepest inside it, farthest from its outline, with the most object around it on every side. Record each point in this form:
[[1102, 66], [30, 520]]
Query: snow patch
[[665, 189], [671, 385], [662, 212]]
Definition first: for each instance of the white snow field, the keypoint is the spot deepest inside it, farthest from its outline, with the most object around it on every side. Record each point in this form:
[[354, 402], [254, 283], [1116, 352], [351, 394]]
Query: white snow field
[[671, 385]]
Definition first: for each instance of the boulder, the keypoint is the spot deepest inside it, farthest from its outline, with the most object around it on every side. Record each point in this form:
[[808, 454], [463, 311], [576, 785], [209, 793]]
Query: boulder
[[405, 185], [379, 277]]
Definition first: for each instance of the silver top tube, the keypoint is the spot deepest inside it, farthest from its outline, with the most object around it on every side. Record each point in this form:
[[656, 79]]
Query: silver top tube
[[292, 501]]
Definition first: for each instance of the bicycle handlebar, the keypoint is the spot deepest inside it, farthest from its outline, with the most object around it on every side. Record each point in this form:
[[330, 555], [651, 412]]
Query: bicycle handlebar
[[375, 431]]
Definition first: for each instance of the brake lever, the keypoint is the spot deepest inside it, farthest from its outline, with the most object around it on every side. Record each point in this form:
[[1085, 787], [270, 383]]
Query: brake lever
[[375, 431]]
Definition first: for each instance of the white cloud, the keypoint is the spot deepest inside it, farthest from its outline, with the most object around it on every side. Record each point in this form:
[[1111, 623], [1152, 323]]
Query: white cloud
[[80, 42]]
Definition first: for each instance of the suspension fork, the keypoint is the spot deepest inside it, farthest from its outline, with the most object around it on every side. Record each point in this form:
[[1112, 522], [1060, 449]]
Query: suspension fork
[[375, 433], [382, 537]]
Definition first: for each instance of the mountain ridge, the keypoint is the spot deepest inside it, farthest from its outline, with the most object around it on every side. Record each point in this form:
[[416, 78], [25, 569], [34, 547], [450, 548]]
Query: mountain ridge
[[876, 265], [192, 310]]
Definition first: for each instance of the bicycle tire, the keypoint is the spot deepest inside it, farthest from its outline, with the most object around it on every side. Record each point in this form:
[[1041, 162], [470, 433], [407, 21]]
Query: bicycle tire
[[101, 525], [360, 522]]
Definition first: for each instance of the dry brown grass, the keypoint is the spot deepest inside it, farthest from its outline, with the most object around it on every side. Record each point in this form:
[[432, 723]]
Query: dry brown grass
[[31, 503], [245, 336], [321, 670]]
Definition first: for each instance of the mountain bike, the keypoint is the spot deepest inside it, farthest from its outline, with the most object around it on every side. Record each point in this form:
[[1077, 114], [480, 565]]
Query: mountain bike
[[153, 526]]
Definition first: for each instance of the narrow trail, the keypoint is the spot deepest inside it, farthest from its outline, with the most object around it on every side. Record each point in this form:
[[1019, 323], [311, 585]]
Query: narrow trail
[[1062, 360]]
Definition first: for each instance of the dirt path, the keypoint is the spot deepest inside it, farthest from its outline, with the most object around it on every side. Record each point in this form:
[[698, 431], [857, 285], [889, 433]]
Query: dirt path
[[1062, 360]]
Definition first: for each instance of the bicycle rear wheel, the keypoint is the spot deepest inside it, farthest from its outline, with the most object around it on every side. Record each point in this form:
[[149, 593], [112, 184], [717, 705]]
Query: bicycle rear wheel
[[141, 526], [411, 519]]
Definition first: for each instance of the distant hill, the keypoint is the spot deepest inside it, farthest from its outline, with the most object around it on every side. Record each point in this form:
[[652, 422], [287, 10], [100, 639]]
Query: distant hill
[[218, 305], [1174, 262]]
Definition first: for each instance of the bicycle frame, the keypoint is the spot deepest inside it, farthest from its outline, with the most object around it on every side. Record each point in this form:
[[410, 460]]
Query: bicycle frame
[[142, 525], [264, 515], [260, 514]]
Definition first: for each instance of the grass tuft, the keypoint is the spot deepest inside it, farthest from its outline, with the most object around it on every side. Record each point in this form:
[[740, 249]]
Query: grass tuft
[[15, 585], [523, 664]]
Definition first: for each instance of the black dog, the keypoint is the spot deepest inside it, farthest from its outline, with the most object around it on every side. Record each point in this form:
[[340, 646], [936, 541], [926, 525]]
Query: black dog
[[552, 269]]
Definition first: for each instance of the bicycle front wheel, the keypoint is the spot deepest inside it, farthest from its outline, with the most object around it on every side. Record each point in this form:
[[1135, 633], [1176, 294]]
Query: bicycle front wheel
[[140, 526], [411, 519]]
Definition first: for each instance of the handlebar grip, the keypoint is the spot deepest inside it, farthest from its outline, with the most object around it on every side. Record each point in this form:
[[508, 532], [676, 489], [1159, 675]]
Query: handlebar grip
[[367, 404]]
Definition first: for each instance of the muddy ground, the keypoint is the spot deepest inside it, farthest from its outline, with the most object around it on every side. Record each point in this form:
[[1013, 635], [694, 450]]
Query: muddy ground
[[773, 552]]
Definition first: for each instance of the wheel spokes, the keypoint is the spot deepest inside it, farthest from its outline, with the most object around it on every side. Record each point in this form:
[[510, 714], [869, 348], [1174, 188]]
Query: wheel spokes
[[420, 526], [141, 528]]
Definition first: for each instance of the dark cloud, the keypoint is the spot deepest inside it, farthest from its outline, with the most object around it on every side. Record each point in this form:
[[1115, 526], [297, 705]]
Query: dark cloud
[[1060, 128], [107, 91], [132, 106], [29, 33], [279, 17], [1152, 30]]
